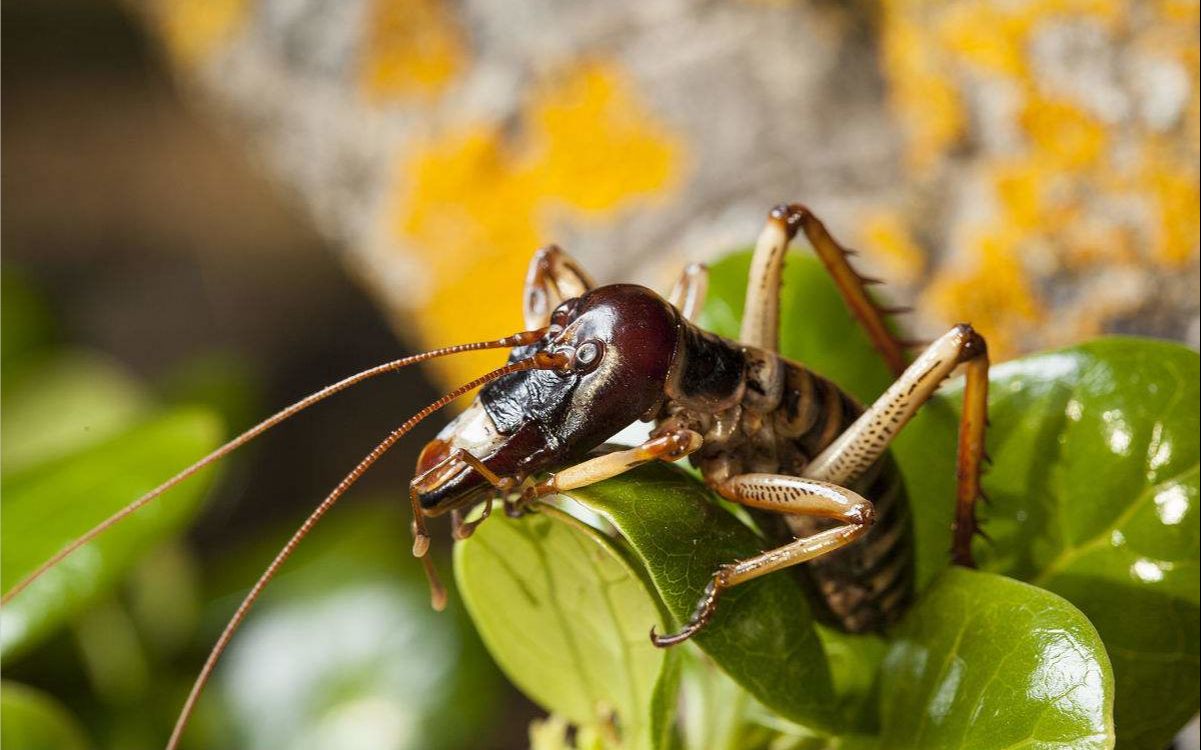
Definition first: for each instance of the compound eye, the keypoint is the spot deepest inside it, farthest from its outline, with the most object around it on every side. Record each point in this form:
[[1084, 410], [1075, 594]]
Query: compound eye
[[587, 355]]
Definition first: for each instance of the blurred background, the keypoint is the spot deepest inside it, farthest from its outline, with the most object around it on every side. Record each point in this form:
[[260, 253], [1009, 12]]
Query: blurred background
[[211, 208]]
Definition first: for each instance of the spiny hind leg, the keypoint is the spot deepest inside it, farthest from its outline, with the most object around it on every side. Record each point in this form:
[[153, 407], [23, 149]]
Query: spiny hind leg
[[862, 443], [688, 294], [761, 316], [780, 494], [553, 276]]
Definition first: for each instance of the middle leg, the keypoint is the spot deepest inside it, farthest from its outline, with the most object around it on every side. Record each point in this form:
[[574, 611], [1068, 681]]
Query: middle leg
[[688, 294], [780, 494]]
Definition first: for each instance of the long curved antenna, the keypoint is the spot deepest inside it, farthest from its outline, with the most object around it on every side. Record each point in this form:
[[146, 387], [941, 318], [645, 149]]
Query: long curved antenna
[[540, 361], [517, 339]]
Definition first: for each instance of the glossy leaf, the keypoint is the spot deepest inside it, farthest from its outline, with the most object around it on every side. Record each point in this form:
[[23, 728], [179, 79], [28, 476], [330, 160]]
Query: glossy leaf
[[1094, 488], [566, 617], [48, 505], [985, 662], [762, 634], [32, 720]]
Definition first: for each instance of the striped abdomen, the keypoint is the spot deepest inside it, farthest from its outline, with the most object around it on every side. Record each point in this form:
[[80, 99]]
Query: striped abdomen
[[869, 584]]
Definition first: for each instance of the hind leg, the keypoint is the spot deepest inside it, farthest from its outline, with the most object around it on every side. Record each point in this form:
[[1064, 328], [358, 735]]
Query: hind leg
[[780, 494], [761, 316], [862, 443]]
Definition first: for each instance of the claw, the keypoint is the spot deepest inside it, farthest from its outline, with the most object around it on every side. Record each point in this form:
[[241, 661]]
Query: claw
[[663, 641], [700, 616]]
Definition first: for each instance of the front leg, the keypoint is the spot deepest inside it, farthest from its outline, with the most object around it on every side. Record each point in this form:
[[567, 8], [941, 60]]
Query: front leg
[[553, 276], [669, 446], [460, 527], [781, 494]]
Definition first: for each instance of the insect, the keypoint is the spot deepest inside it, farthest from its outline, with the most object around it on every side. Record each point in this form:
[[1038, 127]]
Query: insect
[[764, 432]]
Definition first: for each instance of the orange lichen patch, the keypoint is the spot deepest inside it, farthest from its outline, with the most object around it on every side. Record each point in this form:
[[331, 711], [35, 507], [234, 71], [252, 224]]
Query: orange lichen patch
[[414, 49], [192, 29], [476, 205], [1064, 135], [993, 293], [1184, 12], [1075, 197], [1109, 12], [886, 236], [1019, 185], [1177, 204], [924, 97], [1089, 244], [593, 146], [985, 35]]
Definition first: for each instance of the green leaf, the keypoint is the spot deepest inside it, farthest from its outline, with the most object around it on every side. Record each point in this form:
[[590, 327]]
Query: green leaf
[[762, 634], [1094, 489], [987, 662], [566, 617], [346, 639], [32, 720], [50, 504], [816, 327], [65, 403]]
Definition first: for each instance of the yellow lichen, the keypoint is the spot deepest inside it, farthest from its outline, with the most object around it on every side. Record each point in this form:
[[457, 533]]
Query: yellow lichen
[[414, 49], [1062, 171], [1176, 196], [993, 293], [985, 35], [1019, 186], [925, 98], [475, 204], [889, 240], [1064, 136], [593, 146], [1187, 13], [192, 29]]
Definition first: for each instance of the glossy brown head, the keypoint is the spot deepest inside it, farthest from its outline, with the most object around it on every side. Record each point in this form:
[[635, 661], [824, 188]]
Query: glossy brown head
[[621, 340]]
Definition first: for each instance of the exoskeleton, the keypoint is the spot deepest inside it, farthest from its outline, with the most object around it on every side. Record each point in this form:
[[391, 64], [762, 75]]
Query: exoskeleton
[[764, 431]]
